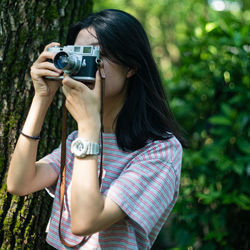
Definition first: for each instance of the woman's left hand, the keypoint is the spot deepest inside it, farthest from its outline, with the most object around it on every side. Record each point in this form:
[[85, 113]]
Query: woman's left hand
[[84, 104]]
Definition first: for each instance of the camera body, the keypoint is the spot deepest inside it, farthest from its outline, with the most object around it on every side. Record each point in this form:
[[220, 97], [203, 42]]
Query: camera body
[[80, 62]]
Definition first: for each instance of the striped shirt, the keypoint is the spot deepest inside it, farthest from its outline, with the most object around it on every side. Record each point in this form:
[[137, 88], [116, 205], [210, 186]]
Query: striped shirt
[[144, 183]]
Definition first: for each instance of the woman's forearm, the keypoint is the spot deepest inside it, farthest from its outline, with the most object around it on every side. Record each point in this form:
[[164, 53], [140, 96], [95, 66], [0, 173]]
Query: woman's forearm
[[22, 166], [86, 199]]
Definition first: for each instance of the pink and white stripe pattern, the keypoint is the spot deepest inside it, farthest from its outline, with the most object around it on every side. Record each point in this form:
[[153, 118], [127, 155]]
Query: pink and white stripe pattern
[[144, 183]]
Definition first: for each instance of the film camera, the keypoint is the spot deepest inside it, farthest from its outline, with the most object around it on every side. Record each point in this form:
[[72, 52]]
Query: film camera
[[80, 62]]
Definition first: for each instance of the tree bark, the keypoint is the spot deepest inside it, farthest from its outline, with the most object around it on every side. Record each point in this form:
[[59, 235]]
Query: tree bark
[[25, 28]]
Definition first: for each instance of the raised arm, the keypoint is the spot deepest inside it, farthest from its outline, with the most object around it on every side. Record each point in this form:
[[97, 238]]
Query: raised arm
[[25, 175]]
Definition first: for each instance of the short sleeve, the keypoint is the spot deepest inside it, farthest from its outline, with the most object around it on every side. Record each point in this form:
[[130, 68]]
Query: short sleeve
[[146, 189], [54, 159]]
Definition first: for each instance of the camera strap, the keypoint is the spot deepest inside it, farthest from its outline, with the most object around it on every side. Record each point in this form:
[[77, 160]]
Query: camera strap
[[63, 156]]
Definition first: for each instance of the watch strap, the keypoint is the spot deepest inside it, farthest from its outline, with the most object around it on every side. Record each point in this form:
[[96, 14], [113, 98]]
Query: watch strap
[[89, 148], [93, 148]]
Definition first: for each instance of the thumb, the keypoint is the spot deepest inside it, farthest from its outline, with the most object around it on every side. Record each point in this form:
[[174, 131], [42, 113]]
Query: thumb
[[70, 82]]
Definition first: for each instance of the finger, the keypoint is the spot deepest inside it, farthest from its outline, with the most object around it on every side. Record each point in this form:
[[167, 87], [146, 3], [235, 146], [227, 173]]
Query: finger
[[35, 72], [71, 83], [98, 84], [69, 92], [44, 56], [51, 45], [66, 91], [48, 65]]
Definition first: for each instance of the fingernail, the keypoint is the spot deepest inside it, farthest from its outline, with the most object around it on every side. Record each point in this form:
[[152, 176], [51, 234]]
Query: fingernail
[[102, 72]]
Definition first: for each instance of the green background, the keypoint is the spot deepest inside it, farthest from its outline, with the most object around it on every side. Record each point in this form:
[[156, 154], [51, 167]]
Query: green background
[[203, 56]]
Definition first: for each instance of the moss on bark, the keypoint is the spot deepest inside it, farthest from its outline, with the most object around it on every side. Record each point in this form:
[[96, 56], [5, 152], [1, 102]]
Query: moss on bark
[[25, 28]]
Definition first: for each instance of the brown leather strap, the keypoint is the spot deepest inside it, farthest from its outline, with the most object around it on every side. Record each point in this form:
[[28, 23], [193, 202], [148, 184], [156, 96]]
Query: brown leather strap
[[63, 156], [63, 168], [102, 75]]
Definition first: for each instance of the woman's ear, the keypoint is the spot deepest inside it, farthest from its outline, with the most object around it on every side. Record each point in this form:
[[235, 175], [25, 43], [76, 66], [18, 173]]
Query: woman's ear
[[130, 72]]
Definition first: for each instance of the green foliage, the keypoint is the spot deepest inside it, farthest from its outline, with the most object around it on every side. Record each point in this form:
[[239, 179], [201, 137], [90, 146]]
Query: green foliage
[[203, 56], [212, 86]]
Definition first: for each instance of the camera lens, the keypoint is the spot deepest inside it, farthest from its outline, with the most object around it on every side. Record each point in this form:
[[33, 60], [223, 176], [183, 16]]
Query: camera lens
[[62, 61], [70, 64]]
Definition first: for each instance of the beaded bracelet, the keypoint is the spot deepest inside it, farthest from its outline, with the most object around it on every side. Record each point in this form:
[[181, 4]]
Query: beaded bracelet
[[30, 137]]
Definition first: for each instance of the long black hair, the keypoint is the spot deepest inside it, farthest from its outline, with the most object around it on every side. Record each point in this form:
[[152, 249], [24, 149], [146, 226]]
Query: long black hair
[[146, 114]]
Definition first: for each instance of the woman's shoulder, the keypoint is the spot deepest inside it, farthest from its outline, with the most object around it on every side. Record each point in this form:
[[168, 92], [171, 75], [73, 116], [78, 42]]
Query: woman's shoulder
[[165, 150]]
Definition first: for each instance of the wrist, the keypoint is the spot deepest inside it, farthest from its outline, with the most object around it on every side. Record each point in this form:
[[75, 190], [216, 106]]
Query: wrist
[[43, 101], [35, 118], [90, 133]]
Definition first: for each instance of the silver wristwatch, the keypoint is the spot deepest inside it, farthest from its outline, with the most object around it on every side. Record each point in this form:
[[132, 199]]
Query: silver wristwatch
[[81, 147]]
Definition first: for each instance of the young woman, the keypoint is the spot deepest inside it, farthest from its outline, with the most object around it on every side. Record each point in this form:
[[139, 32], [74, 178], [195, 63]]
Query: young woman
[[142, 149]]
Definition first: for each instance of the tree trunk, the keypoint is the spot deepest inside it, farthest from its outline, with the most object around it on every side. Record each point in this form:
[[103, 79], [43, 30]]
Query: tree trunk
[[25, 28]]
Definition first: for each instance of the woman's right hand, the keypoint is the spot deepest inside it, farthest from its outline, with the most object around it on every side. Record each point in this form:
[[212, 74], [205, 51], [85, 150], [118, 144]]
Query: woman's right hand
[[41, 68]]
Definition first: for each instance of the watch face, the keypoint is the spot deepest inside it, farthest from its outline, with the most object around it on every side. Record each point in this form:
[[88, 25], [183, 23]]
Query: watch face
[[80, 148]]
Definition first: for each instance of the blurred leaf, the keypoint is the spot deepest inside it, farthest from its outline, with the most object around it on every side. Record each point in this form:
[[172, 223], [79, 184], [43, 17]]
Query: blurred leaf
[[243, 145], [238, 168], [210, 26], [220, 120]]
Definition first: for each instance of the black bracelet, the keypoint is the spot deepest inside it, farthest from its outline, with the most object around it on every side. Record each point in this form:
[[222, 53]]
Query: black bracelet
[[30, 137]]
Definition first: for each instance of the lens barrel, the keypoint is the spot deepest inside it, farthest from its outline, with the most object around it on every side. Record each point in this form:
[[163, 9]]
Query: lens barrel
[[70, 64]]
